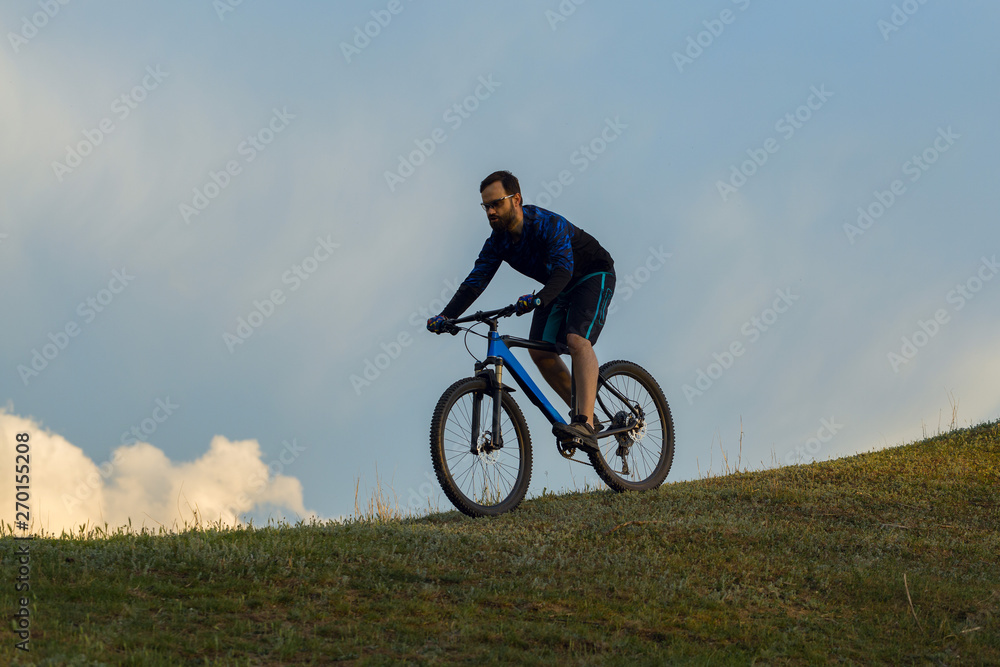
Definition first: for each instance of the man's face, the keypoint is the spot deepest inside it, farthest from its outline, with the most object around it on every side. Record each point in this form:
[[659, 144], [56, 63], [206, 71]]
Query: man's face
[[503, 214]]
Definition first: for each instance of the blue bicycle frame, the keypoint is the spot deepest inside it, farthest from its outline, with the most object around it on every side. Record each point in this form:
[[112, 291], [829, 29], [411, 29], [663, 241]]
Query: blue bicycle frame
[[498, 353], [499, 356]]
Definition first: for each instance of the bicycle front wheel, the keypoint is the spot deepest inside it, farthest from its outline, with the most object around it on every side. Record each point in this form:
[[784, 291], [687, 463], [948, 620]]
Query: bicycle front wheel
[[639, 458], [482, 474]]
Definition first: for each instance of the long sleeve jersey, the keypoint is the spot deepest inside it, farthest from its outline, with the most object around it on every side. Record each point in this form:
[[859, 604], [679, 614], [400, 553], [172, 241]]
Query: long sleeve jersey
[[551, 250]]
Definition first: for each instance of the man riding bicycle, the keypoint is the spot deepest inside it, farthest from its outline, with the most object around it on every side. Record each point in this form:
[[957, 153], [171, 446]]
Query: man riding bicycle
[[570, 310]]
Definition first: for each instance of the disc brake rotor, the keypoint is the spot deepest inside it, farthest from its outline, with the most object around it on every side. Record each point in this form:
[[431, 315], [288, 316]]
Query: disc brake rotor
[[635, 433], [487, 453]]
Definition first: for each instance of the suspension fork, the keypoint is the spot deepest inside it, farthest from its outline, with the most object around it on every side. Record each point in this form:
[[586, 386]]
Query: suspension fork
[[497, 390], [477, 405], [494, 387]]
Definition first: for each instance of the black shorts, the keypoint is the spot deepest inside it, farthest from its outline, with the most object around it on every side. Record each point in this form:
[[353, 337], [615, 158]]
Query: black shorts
[[580, 309]]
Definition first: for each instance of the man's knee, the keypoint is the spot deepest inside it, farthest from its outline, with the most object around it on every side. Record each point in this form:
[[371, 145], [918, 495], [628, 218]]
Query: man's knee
[[543, 358], [577, 343]]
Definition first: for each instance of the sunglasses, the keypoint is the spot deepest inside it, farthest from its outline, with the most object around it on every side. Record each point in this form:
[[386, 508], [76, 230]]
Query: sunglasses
[[496, 202]]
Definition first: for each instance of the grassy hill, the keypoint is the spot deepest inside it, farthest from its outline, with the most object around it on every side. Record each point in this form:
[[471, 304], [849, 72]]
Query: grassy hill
[[882, 558]]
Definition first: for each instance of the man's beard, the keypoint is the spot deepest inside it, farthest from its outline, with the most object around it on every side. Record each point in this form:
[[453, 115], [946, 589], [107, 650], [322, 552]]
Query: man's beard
[[503, 222]]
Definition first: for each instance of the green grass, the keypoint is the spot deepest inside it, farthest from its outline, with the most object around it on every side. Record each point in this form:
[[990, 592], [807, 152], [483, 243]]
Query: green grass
[[797, 565]]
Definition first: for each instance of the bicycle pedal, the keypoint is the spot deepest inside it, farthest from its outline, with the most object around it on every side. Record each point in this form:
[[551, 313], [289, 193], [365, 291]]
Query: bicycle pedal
[[578, 443], [570, 439]]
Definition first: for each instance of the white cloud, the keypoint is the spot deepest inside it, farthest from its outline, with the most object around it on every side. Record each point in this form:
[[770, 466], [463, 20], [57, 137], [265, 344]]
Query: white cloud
[[141, 485]]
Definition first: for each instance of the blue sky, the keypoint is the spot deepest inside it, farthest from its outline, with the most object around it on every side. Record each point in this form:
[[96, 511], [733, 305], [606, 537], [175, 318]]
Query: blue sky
[[256, 119]]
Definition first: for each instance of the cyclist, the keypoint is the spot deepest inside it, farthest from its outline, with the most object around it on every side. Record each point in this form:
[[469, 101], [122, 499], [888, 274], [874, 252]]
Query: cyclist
[[570, 310]]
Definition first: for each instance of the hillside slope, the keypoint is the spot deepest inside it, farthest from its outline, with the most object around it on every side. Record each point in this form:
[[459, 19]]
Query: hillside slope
[[798, 565]]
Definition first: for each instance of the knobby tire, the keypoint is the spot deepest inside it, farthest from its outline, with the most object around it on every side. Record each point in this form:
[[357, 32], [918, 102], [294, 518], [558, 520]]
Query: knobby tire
[[650, 456], [491, 482]]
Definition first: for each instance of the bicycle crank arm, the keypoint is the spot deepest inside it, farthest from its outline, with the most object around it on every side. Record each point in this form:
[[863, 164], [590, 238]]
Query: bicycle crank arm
[[614, 431], [573, 443]]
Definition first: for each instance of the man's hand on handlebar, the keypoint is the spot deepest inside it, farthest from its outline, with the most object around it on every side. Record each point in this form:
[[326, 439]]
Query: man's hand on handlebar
[[437, 324], [526, 304], [440, 324]]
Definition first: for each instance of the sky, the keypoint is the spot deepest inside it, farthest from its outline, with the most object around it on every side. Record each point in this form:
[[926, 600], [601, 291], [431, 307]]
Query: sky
[[223, 225]]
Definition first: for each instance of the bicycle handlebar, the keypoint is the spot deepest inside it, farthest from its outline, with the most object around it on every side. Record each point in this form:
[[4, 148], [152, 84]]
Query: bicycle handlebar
[[485, 315]]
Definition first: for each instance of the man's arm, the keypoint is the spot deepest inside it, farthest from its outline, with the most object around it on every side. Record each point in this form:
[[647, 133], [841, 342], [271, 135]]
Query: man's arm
[[482, 273], [559, 246]]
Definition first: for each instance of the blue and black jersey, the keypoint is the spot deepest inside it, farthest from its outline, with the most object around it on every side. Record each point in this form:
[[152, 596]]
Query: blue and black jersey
[[551, 250]]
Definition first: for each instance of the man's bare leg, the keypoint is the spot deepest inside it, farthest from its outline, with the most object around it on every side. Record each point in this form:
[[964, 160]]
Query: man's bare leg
[[555, 372], [585, 368]]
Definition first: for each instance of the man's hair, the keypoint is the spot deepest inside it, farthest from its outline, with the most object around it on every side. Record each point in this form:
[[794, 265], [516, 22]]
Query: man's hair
[[507, 179]]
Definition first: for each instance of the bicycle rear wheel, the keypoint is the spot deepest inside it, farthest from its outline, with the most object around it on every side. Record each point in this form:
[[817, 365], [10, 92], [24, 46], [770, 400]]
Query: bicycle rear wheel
[[480, 476], [640, 458]]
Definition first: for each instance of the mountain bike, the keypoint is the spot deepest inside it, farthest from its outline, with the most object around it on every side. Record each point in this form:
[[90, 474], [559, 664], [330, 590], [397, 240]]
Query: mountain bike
[[481, 447]]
